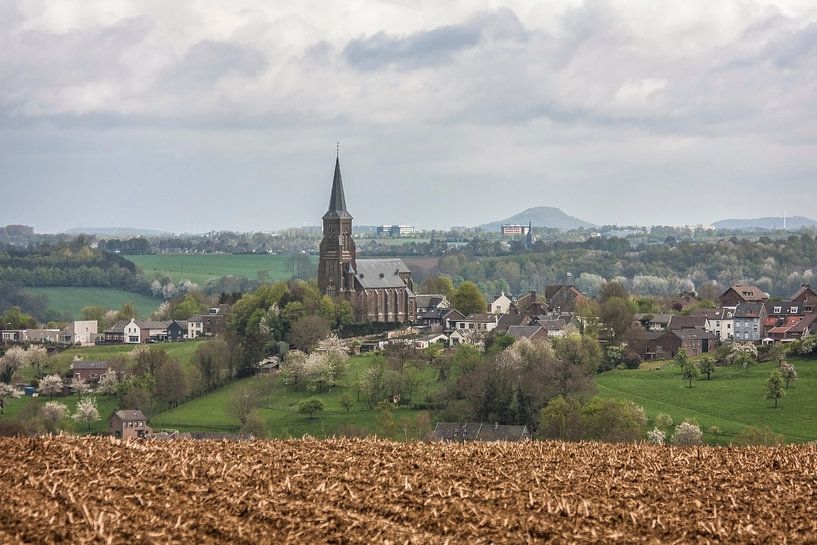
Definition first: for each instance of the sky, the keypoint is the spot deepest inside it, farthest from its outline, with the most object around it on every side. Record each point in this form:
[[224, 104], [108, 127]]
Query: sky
[[206, 115]]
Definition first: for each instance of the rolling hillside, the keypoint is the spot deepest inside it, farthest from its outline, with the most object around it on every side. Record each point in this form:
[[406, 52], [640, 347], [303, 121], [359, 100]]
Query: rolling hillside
[[541, 216]]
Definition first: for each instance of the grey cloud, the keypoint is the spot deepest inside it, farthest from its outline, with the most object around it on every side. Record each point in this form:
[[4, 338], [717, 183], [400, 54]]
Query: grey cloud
[[208, 61], [432, 47]]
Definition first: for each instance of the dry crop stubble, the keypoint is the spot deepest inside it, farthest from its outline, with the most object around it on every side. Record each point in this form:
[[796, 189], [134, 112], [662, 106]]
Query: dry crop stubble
[[101, 490]]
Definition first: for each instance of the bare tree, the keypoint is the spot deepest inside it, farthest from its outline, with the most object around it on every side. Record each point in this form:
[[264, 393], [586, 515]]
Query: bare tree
[[243, 402], [171, 383]]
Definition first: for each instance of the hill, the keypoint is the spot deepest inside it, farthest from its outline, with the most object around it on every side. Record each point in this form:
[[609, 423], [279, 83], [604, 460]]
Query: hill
[[770, 223], [69, 300], [541, 216], [59, 489]]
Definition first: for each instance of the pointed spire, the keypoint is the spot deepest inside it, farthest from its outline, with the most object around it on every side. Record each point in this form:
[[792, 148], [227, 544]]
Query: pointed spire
[[337, 200]]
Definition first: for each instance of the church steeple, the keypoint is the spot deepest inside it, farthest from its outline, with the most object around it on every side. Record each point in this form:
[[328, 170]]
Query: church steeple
[[337, 200]]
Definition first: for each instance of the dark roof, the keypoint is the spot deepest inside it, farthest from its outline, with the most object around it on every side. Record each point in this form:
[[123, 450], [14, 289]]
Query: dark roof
[[551, 325], [118, 327], [523, 331], [452, 314], [476, 431], [687, 322], [426, 300], [806, 289], [152, 324], [196, 318], [749, 310], [637, 334], [130, 415], [381, 273], [654, 318], [748, 293], [508, 320], [482, 317], [337, 200], [84, 364], [709, 313], [696, 333]]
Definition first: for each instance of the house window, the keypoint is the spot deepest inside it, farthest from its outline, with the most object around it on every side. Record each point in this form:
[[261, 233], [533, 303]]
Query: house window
[[778, 310], [794, 310]]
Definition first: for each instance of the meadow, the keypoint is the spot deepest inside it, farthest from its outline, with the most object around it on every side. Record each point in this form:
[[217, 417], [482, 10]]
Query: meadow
[[731, 400], [71, 300], [200, 268], [279, 410]]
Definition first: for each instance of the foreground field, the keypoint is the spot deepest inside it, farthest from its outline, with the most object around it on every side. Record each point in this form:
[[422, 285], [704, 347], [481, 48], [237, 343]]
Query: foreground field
[[202, 267], [71, 300], [100, 490], [732, 400]]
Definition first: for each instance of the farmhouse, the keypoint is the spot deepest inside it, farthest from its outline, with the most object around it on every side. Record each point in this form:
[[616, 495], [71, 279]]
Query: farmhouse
[[89, 371], [128, 424], [477, 431]]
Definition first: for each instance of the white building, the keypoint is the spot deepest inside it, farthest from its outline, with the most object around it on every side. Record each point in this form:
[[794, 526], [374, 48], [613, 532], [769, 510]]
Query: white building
[[501, 305], [81, 332]]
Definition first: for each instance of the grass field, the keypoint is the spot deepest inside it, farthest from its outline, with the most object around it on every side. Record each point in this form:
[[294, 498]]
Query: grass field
[[105, 405], [71, 300], [280, 410], [732, 400], [200, 268]]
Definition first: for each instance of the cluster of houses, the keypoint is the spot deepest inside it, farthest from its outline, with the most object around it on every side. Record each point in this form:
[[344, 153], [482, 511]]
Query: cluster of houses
[[532, 315], [85, 332], [744, 314]]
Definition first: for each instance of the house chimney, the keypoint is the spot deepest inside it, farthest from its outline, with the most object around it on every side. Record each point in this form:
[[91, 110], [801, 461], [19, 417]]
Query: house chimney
[[569, 279]]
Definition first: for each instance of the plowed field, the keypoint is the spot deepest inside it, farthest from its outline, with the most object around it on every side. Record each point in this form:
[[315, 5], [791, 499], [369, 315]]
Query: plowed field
[[99, 490]]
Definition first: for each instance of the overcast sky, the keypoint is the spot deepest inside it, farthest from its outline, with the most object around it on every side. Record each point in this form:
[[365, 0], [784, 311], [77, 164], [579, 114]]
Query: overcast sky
[[204, 115]]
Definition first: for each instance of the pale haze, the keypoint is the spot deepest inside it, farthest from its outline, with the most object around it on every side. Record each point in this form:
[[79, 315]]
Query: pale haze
[[224, 115]]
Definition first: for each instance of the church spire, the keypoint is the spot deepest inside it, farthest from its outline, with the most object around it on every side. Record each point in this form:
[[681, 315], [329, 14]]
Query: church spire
[[337, 200]]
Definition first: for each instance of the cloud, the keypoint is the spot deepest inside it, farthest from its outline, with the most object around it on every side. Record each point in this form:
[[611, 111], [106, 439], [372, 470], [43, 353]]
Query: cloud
[[434, 47]]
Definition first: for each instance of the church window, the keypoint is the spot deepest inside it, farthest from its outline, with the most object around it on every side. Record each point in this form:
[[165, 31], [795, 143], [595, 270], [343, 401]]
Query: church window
[[330, 291]]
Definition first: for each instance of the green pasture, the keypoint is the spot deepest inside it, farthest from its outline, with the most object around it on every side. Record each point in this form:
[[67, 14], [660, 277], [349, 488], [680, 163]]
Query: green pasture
[[71, 300], [280, 409], [105, 405], [731, 400], [200, 268]]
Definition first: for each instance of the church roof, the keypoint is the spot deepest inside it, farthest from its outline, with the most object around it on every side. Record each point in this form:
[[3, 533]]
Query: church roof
[[381, 273], [337, 200]]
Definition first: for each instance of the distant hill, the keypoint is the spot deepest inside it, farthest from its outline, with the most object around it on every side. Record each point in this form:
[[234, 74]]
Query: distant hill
[[541, 216], [117, 232], [794, 222]]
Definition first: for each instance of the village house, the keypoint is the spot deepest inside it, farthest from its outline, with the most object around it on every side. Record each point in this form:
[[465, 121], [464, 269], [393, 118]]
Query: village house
[[718, 321], [501, 304], [177, 330], [431, 302], [652, 322], [215, 321], [805, 298], [151, 330], [508, 320], [678, 323], [128, 424], [477, 431], [83, 333], [666, 344], [529, 304], [563, 297], [36, 335], [424, 341], [741, 293], [89, 371], [123, 331], [530, 332], [195, 326], [749, 321], [480, 323]]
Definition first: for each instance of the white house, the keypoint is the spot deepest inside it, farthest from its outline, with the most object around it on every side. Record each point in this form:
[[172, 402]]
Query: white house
[[132, 333], [479, 323], [195, 326], [81, 332], [501, 304]]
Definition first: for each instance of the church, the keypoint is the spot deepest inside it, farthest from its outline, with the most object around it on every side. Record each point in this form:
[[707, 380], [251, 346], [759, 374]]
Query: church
[[379, 290]]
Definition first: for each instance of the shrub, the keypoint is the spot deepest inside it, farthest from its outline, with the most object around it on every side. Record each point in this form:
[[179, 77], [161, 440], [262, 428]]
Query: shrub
[[752, 435], [687, 434], [663, 421], [656, 437]]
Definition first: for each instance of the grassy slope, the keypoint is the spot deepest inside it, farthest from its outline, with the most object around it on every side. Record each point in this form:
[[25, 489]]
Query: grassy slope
[[732, 400], [105, 406], [71, 300], [201, 268], [211, 412]]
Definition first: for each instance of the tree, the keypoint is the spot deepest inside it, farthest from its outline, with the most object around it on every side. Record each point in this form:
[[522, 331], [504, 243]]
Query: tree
[[37, 357], [663, 421], [14, 358], [186, 308], [707, 365], [347, 403], [255, 425], [108, 383], [7, 391], [437, 284], [616, 314], [50, 385], [614, 420], [86, 411], [752, 435], [690, 372], [307, 331], [243, 402], [612, 289], [788, 372], [79, 386], [127, 312], [171, 383], [211, 360], [687, 434], [468, 299], [656, 436], [53, 413], [310, 407], [742, 354], [774, 387]]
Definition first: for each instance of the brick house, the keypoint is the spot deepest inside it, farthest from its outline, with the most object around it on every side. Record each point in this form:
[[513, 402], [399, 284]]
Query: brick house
[[741, 293], [89, 371], [128, 424]]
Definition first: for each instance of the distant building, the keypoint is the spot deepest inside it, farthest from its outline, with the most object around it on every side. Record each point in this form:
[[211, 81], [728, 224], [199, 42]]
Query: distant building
[[477, 431], [741, 293], [89, 371], [515, 230], [501, 304], [128, 424], [396, 230], [82, 332]]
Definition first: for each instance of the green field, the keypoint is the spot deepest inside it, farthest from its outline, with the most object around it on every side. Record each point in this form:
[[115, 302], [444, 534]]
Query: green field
[[732, 400], [105, 405], [71, 300], [212, 413], [200, 268]]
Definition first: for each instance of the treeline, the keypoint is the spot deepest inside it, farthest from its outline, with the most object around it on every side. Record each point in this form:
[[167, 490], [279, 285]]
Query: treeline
[[777, 266], [68, 264], [289, 241]]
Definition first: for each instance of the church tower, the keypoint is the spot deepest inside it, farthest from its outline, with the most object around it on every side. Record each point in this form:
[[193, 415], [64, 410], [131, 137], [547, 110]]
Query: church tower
[[336, 267]]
